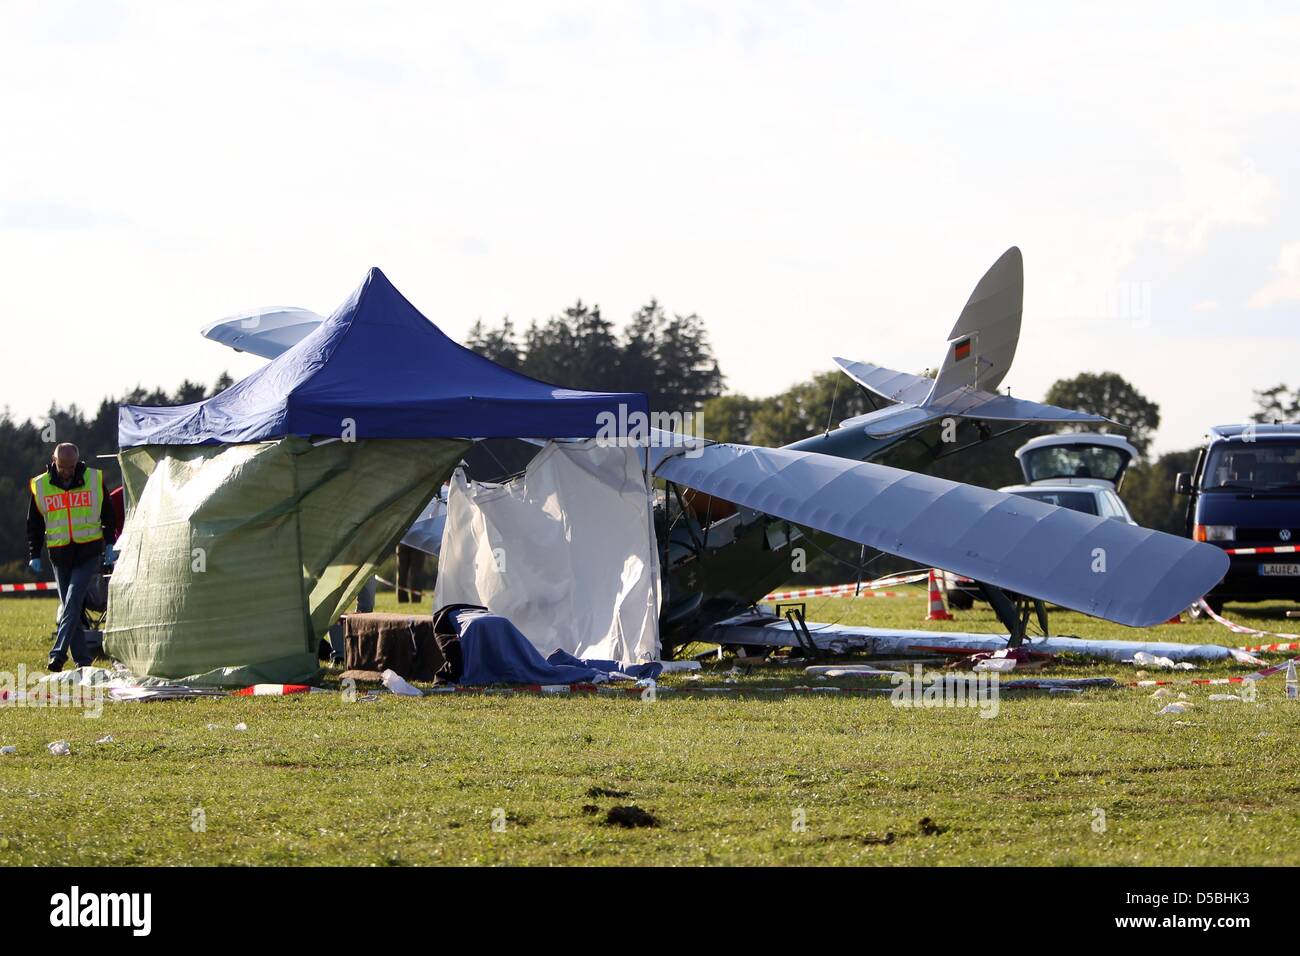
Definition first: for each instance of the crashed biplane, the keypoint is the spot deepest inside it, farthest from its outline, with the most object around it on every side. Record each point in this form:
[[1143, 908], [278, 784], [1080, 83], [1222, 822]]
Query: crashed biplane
[[730, 514]]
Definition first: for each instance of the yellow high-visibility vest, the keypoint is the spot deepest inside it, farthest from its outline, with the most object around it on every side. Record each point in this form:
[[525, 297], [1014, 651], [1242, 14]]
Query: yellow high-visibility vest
[[70, 514]]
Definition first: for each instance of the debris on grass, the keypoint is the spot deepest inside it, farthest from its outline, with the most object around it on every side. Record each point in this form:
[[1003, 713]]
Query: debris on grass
[[885, 840], [629, 817], [106, 739], [590, 808], [1177, 707], [1165, 663], [399, 685], [241, 726], [59, 748], [606, 792], [8, 749], [929, 828]]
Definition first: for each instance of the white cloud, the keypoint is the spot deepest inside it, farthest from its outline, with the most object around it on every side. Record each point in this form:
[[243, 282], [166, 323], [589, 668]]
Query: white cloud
[[1285, 284]]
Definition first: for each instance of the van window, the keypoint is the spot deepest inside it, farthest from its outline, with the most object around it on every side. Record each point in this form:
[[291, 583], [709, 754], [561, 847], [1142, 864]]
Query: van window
[[1256, 465]]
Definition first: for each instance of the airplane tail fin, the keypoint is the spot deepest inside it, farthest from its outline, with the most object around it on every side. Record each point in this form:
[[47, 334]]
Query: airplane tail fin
[[982, 344]]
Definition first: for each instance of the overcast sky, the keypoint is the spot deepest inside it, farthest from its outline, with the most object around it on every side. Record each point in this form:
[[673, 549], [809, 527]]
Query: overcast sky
[[812, 179]]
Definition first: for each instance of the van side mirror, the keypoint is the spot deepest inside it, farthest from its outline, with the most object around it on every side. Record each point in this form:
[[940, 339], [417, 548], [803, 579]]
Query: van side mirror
[[1183, 483]]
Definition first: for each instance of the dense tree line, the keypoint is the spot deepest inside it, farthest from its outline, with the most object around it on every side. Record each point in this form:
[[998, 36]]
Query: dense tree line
[[668, 357]]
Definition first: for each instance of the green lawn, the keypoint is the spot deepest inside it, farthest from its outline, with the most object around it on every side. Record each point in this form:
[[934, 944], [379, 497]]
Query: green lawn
[[398, 781]]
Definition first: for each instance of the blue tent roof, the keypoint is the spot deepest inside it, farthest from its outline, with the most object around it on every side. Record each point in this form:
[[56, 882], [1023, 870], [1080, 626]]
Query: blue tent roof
[[380, 363]]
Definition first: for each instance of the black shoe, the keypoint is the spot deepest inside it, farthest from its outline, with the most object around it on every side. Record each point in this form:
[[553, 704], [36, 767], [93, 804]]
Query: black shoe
[[54, 667]]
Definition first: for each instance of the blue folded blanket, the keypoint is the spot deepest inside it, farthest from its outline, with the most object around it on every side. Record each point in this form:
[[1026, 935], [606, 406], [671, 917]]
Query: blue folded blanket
[[493, 651]]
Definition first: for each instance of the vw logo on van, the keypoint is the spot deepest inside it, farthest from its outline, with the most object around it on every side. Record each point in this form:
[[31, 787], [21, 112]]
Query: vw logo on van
[[1285, 534]]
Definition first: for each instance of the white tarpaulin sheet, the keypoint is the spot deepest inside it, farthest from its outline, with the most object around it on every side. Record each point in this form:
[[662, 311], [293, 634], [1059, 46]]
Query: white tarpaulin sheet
[[566, 552]]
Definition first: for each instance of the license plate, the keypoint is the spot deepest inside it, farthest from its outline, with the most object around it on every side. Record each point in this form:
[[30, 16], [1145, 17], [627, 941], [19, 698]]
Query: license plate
[[1280, 570]]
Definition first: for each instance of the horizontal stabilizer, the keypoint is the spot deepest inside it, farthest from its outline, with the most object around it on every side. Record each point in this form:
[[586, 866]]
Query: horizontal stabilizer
[[915, 412], [969, 403], [1098, 566], [896, 386]]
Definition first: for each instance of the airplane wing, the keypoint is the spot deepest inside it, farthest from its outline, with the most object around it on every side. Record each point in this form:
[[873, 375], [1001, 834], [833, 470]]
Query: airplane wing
[[426, 534], [264, 332], [1098, 566]]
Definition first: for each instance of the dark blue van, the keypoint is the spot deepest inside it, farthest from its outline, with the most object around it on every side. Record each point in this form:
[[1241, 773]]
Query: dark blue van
[[1245, 493]]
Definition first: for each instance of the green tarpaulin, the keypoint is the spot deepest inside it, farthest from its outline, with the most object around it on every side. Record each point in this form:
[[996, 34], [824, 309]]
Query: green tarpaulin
[[253, 550]]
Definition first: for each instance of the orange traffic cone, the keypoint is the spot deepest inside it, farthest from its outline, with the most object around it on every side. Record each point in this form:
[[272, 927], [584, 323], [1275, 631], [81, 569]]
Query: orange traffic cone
[[937, 611]]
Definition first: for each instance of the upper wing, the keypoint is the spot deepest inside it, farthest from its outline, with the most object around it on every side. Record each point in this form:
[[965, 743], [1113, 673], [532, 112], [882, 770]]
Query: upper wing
[[264, 332], [1099, 566]]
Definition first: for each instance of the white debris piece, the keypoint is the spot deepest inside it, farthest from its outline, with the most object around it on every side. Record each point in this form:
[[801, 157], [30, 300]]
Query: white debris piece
[[1177, 707], [998, 665], [241, 726], [106, 739], [1151, 660], [398, 684], [59, 748], [8, 749], [672, 667]]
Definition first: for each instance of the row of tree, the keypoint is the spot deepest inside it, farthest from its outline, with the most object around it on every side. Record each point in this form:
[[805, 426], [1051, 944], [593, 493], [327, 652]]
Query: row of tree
[[668, 357]]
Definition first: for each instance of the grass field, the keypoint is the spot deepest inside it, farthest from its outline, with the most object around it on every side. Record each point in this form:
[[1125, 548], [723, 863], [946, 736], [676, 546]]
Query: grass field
[[408, 781]]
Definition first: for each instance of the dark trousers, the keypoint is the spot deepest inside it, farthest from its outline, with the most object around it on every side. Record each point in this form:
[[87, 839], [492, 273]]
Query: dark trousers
[[410, 562], [72, 580]]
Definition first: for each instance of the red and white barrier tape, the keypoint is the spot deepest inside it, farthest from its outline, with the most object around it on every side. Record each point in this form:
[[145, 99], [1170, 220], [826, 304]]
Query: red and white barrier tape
[[868, 589], [1280, 549], [273, 690], [35, 586], [1243, 629], [1264, 672]]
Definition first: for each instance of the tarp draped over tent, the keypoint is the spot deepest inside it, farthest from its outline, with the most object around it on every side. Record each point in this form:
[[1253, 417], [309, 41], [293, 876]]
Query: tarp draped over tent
[[245, 538], [237, 558], [567, 552]]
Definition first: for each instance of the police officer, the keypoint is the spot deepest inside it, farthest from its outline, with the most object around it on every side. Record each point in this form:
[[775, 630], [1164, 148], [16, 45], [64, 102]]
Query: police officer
[[70, 514]]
